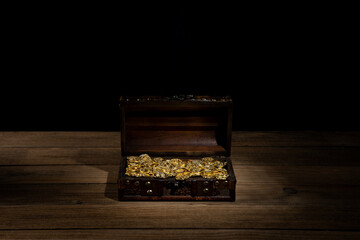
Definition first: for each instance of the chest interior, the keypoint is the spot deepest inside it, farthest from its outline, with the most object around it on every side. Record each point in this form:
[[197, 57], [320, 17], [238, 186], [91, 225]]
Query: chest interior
[[176, 130]]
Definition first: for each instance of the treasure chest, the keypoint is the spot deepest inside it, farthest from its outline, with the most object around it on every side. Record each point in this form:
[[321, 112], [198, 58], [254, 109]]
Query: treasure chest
[[176, 148]]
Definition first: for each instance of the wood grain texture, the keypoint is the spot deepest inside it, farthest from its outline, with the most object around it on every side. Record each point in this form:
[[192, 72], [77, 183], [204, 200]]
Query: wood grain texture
[[59, 156], [291, 185], [297, 139], [59, 139], [270, 156], [58, 174], [175, 234], [297, 175], [296, 156], [180, 215], [239, 138], [249, 194]]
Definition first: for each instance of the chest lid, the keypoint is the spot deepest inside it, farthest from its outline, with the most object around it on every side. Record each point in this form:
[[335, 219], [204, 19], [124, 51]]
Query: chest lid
[[179, 125]]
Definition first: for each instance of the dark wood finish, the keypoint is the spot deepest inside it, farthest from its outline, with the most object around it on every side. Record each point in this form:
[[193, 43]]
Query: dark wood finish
[[168, 122], [156, 215], [246, 174], [176, 127], [175, 234], [59, 139], [248, 194], [170, 189], [297, 139], [241, 139], [176, 150], [63, 186], [253, 156]]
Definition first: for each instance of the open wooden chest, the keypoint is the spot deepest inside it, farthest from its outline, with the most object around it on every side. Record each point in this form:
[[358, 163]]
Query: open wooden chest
[[190, 128]]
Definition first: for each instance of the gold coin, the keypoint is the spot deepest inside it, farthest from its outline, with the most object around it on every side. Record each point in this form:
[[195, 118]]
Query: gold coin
[[158, 167]]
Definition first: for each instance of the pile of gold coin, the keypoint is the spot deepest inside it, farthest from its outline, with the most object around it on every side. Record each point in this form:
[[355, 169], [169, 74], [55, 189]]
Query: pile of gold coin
[[145, 166]]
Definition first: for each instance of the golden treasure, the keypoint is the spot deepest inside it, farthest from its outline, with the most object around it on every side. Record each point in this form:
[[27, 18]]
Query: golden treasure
[[181, 169]]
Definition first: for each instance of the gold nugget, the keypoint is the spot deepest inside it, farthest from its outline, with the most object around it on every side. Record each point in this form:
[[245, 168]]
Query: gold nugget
[[145, 166]]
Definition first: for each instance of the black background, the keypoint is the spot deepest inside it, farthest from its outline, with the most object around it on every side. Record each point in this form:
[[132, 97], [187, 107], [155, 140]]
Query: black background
[[287, 67]]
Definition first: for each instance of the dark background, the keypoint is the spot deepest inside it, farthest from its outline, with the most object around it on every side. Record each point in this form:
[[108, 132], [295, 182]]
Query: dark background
[[287, 67]]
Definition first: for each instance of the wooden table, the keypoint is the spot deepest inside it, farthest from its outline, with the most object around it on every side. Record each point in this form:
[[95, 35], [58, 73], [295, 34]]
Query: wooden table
[[291, 185]]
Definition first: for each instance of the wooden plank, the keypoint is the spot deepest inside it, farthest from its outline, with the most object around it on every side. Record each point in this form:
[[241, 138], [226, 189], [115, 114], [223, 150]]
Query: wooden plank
[[296, 156], [180, 215], [272, 156], [289, 175], [174, 234], [58, 174], [296, 138], [60, 139], [298, 175], [240, 138], [59, 156], [277, 188], [58, 194], [249, 194], [172, 121]]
